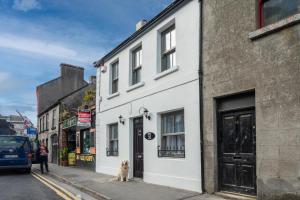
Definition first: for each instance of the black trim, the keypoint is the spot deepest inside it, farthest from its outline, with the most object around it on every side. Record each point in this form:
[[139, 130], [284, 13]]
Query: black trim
[[162, 15], [171, 153], [200, 72]]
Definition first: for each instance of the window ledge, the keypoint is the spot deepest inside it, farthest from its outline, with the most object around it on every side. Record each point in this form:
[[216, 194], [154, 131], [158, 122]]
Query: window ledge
[[113, 95], [275, 27], [167, 72], [135, 86]]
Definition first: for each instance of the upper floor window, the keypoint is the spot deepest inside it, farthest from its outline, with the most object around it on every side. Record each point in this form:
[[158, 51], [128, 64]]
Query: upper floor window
[[114, 77], [47, 121], [41, 124], [168, 48], [136, 65], [44, 125], [54, 118], [172, 135], [271, 11]]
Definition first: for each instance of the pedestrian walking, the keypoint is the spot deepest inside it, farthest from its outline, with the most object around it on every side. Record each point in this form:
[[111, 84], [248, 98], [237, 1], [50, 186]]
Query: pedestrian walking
[[43, 155]]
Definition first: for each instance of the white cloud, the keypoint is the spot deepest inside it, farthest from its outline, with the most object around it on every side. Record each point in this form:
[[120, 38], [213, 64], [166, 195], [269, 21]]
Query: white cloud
[[6, 83], [26, 5], [42, 47]]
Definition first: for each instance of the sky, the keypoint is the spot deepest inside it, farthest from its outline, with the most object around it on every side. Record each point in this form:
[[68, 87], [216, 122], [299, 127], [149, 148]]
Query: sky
[[37, 35]]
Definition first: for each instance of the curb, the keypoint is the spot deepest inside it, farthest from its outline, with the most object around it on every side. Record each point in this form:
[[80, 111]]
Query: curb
[[86, 190]]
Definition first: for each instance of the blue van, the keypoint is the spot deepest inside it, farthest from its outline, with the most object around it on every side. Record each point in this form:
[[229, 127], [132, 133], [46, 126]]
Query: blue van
[[15, 152]]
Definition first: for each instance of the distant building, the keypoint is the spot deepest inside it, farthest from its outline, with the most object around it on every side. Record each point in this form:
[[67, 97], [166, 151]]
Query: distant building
[[6, 128], [17, 123], [48, 95]]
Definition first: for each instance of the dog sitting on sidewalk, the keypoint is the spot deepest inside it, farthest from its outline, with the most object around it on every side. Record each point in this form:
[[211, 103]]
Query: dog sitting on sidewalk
[[123, 171]]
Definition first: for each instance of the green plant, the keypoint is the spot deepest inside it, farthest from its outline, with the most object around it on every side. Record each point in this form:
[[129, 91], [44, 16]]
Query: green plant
[[89, 96], [63, 154]]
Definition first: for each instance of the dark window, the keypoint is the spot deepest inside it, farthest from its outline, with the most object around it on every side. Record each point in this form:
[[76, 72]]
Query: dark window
[[172, 135], [113, 148], [114, 77], [168, 48], [86, 142], [136, 65], [272, 11], [44, 127], [41, 124], [93, 120], [47, 121], [54, 118], [92, 139]]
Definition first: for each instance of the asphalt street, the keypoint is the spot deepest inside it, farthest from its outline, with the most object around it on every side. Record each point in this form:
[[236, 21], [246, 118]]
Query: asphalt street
[[20, 186]]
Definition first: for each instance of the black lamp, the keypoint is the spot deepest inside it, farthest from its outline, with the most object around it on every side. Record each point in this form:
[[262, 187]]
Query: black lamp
[[121, 119]]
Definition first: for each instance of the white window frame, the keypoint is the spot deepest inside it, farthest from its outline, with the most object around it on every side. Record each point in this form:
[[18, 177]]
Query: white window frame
[[109, 150], [168, 34], [133, 65], [163, 151], [111, 92]]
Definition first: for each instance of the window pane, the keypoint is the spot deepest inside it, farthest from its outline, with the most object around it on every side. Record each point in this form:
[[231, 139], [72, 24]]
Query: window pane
[[168, 41], [141, 56], [173, 59], [275, 10], [179, 122], [114, 86], [173, 38]]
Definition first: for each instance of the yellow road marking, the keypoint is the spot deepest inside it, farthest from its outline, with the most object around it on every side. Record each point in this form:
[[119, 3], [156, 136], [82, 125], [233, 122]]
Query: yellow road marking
[[65, 194], [55, 185]]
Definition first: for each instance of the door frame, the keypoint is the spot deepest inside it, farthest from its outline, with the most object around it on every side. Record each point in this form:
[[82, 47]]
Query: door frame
[[131, 169], [219, 129]]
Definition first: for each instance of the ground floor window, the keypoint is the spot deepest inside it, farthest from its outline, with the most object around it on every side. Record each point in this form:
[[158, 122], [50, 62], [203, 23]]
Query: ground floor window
[[113, 143], [172, 135]]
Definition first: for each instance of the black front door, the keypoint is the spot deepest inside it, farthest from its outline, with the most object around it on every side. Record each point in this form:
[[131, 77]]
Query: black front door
[[138, 148], [237, 152]]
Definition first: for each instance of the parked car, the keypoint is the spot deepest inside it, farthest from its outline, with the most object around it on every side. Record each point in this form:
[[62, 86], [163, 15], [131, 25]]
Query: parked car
[[15, 153]]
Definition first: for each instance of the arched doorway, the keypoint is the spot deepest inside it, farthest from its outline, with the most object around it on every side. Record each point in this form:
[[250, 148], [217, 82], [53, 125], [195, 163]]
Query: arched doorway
[[54, 143]]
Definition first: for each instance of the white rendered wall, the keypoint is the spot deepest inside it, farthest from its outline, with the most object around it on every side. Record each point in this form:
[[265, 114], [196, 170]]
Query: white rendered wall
[[178, 90]]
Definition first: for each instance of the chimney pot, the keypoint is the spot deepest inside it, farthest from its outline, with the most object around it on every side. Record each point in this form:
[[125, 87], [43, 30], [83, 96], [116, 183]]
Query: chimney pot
[[140, 24]]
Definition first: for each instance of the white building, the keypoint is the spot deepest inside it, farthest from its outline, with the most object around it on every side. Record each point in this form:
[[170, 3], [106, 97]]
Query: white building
[[149, 86]]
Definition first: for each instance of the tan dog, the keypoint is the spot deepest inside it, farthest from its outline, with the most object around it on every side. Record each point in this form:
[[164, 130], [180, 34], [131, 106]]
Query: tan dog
[[123, 171]]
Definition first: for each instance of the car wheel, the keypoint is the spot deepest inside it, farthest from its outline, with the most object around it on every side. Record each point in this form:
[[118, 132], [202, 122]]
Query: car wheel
[[28, 170]]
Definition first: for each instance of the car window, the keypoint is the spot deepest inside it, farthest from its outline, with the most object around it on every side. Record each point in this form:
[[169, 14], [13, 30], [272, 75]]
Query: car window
[[11, 141]]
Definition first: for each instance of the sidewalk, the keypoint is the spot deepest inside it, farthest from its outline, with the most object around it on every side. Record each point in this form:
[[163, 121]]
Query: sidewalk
[[105, 187]]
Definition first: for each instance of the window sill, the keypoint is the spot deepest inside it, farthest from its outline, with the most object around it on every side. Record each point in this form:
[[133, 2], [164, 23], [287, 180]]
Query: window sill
[[135, 86], [275, 27], [167, 72], [113, 95]]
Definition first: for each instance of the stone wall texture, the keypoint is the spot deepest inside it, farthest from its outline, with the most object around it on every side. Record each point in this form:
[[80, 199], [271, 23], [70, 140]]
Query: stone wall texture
[[269, 65]]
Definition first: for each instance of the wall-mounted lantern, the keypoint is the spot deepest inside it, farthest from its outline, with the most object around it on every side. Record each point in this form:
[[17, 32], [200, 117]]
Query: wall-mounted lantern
[[121, 120]]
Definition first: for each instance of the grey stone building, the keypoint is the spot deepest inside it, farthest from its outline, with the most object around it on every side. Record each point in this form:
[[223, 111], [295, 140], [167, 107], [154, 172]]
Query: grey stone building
[[48, 96], [251, 92]]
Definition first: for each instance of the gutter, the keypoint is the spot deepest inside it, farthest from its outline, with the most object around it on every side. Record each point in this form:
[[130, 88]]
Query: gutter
[[149, 25], [200, 73]]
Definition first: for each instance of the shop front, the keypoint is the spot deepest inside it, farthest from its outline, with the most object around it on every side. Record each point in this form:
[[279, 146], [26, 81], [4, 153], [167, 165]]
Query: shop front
[[85, 140]]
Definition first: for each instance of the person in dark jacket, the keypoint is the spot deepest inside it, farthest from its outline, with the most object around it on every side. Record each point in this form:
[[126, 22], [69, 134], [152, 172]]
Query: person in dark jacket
[[43, 156]]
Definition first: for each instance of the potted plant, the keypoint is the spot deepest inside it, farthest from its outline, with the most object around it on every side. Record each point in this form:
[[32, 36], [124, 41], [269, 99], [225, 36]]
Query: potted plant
[[63, 154]]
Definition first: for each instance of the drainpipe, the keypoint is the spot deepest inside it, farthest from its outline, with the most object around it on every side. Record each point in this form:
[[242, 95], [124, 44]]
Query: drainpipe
[[200, 73]]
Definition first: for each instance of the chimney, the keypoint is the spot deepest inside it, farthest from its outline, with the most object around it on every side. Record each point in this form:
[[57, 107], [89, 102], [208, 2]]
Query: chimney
[[140, 24], [92, 80]]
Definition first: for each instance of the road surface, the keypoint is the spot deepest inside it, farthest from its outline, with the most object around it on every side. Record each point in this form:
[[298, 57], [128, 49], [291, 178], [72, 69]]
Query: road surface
[[17, 185]]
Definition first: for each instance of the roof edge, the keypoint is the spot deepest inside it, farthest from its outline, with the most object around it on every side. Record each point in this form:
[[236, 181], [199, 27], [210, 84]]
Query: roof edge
[[141, 31]]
